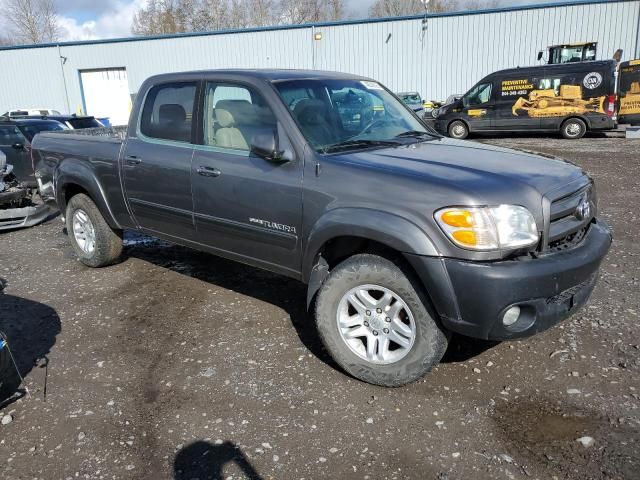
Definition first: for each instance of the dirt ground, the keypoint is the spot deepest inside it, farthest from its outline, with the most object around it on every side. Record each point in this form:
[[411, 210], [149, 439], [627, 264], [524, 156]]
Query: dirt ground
[[175, 364]]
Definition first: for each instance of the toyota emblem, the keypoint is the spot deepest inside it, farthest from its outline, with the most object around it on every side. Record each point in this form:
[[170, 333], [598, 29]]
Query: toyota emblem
[[583, 210]]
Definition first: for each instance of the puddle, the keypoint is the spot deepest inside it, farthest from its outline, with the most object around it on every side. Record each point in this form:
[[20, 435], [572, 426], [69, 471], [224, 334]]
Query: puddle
[[544, 434]]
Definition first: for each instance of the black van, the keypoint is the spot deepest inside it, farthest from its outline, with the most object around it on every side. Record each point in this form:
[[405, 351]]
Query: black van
[[629, 92], [569, 98]]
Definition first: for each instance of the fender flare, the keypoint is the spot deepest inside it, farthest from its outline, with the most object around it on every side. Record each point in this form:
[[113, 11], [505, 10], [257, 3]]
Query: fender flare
[[76, 172], [386, 228]]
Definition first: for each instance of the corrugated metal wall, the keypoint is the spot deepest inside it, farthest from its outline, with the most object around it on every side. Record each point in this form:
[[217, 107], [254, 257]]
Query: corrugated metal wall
[[448, 57]]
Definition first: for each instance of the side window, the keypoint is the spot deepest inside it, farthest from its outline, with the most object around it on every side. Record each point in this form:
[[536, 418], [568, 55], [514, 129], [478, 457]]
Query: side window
[[234, 115], [10, 135], [168, 112], [479, 95]]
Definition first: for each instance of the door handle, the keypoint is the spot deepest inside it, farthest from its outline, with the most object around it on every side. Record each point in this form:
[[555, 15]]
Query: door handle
[[132, 160], [208, 171]]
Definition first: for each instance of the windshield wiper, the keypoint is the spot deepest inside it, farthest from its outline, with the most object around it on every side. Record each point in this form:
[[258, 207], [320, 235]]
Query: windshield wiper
[[347, 144], [413, 134]]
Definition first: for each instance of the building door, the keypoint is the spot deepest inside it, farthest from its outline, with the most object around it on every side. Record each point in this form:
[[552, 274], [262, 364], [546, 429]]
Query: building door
[[105, 94]]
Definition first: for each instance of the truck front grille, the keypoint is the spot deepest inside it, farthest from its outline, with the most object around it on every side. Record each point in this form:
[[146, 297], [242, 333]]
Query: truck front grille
[[569, 222]]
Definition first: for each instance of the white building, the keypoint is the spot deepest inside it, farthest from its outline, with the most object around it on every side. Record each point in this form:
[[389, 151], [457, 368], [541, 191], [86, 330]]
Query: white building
[[436, 55]]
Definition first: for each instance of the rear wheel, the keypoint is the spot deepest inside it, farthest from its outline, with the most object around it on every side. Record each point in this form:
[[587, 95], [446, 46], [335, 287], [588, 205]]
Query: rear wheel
[[573, 128], [375, 323], [458, 129], [93, 240]]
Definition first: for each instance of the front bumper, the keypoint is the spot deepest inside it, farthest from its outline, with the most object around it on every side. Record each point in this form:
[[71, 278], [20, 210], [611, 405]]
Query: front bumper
[[472, 297], [12, 218]]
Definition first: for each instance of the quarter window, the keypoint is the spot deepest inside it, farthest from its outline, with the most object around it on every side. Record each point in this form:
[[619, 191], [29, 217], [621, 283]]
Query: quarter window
[[234, 115], [168, 112]]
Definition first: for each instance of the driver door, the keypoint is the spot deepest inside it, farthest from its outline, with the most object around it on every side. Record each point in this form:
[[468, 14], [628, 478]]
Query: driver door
[[479, 107], [245, 207]]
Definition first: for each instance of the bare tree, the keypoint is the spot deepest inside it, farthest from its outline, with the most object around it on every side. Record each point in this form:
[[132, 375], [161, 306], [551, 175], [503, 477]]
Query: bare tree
[[305, 11], [32, 21], [172, 16], [397, 8]]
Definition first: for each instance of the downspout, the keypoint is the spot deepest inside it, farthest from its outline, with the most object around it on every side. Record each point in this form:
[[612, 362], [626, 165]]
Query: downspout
[[62, 61], [313, 47]]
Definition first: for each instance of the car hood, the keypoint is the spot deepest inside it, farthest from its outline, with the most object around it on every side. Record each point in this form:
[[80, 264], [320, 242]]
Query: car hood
[[471, 165]]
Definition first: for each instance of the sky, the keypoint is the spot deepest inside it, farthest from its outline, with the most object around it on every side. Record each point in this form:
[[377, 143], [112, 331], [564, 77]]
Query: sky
[[92, 19]]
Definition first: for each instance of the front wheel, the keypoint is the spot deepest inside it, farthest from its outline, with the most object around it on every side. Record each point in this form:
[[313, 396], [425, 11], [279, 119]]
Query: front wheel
[[96, 244], [573, 128], [376, 325], [458, 129]]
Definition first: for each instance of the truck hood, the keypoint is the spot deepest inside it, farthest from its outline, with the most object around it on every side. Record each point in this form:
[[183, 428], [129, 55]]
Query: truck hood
[[471, 164]]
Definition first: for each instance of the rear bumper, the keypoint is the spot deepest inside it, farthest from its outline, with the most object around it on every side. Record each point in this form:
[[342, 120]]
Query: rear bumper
[[472, 297]]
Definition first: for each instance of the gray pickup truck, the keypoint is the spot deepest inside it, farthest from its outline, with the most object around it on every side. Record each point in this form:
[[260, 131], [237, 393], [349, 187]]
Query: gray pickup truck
[[402, 236]]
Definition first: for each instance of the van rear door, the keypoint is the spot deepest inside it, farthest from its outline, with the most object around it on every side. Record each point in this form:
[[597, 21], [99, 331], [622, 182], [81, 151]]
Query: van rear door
[[516, 98]]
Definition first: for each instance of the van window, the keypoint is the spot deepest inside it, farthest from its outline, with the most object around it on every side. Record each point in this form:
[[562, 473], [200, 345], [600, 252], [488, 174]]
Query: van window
[[479, 95], [168, 112]]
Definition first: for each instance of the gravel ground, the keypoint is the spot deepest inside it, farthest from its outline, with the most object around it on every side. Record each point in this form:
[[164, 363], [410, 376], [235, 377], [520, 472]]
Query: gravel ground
[[177, 364]]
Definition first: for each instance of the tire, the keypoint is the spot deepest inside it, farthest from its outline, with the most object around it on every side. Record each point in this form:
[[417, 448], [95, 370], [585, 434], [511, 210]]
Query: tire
[[573, 129], [82, 219], [398, 364], [458, 130]]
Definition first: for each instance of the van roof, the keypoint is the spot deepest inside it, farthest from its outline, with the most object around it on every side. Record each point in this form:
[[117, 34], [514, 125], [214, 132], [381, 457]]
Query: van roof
[[591, 64]]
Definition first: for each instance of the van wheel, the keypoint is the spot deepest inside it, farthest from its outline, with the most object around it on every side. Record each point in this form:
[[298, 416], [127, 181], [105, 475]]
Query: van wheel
[[573, 128], [93, 240], [458, 129], [376, 325]]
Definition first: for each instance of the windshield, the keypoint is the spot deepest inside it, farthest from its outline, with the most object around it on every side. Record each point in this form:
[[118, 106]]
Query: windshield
[[31, 129], [411, 98], [337, 115]]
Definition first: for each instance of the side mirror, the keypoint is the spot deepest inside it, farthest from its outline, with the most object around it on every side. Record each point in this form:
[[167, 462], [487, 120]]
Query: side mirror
[[265, 145], [18, 146], [540, 54]]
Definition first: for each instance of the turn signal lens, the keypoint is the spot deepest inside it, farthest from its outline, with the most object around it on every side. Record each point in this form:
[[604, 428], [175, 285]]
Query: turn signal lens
[[458, 218], [466, 237]]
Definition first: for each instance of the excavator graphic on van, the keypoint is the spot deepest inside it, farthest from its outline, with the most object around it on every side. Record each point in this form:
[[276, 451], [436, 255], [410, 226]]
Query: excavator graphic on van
[[569, 101]]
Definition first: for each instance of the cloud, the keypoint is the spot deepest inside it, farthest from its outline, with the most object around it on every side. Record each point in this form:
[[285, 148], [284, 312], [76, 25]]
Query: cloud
[[112, 23]]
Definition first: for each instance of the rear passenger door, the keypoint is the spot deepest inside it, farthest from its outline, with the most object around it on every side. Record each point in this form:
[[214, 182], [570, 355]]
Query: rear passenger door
[[157, 161], [245, 207]]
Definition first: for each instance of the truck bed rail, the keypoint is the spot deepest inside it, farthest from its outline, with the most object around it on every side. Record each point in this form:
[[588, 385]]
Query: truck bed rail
[[117, 133]]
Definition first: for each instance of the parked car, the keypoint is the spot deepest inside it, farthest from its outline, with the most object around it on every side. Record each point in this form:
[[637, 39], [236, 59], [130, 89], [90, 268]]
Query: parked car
[[19, 203], [402, 236], [15, 142], [23, 112], [569, 98], [73, 122]]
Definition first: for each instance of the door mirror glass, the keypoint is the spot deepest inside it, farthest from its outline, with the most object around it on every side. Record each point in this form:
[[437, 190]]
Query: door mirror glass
[[540, 53], [265, 145]]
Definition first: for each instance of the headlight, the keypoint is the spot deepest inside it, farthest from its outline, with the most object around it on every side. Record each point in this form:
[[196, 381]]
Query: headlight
[[489, 228]]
